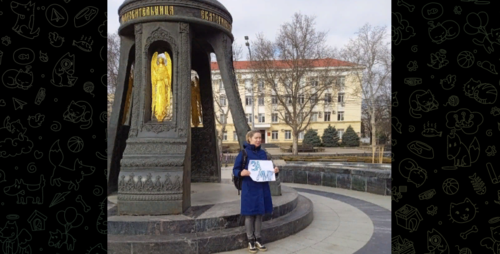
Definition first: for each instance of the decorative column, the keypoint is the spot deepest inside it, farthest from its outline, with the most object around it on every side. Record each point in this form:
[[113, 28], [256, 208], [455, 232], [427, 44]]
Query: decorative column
[[155, 169]]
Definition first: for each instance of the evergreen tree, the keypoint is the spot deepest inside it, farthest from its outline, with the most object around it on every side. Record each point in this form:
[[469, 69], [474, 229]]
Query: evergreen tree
[[311, 137], [330, 137], [350, 138]]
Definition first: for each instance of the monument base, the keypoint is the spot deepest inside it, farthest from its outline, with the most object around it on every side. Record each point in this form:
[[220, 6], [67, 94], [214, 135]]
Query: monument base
[[212, 224], [150, 208]]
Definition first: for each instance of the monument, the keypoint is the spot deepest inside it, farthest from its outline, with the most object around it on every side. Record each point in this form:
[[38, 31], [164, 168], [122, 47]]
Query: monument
[[162, 137], [153, 152]]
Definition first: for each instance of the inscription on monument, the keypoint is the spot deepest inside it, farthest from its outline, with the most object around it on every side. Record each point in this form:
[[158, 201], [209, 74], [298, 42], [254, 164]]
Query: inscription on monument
[[147, 11], [169, 11], [212, 17]]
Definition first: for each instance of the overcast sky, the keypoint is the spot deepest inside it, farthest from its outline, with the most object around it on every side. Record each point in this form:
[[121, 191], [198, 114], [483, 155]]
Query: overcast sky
[[340, 18]]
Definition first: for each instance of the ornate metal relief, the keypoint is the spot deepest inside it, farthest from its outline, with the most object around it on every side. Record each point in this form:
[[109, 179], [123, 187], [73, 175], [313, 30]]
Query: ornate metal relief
[[137, 83], [154, 148], [183, 27], [157, 127], [147, 184], [185, 69], [156, 140], [156, 161], [169, 197]]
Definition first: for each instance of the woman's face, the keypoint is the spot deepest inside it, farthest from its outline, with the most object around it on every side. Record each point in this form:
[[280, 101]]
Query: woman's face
[[256, 139]]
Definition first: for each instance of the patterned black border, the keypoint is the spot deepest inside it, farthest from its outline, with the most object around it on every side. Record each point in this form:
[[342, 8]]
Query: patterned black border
[[66, 203], [436, 51]]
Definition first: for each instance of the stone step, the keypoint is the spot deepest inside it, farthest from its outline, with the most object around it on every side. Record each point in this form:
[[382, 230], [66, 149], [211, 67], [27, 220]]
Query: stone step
[[197, 219], [214, 241]]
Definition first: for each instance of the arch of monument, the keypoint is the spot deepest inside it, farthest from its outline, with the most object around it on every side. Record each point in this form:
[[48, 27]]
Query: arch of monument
[[153, 153]]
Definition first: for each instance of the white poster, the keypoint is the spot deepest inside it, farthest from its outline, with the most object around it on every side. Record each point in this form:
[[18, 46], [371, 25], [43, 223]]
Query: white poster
[[261, 170]]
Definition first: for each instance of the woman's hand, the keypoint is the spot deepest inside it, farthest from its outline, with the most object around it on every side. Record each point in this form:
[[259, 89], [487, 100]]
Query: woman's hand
[[276, 170], [245, 172]]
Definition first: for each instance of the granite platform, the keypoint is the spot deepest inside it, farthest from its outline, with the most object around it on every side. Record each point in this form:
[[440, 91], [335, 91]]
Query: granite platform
[[212, 224]]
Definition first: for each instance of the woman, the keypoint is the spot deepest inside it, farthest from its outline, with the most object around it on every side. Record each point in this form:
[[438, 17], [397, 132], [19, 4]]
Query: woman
[[255, 196]]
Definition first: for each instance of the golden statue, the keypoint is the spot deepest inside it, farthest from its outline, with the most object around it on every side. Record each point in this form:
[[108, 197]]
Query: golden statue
[[161, 79], [195, 101]]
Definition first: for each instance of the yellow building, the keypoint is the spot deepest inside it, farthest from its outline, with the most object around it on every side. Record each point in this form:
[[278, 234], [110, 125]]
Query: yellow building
[[340, 110]]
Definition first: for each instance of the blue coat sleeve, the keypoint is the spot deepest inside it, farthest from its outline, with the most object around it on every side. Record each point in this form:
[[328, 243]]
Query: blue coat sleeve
[[237, 165]]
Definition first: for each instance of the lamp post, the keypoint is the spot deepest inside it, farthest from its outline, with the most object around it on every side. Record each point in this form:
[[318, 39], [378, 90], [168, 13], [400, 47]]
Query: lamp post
[[252, 100]]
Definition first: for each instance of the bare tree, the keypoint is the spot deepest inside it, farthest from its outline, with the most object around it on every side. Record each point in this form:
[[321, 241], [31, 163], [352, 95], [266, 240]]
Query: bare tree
[[298, 70], [113, 64], [370, 49], [385, 108], [382, 116]]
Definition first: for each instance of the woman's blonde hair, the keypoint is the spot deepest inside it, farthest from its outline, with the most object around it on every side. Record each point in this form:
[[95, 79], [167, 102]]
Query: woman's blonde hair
[[250, 134]]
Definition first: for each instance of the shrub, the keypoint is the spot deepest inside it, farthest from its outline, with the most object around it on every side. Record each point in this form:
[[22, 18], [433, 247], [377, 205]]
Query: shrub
[[330, 137], [350, 138], [311, 137]]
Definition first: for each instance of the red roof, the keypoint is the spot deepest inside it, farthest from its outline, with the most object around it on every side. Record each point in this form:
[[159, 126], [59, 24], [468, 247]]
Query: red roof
[[242, 65]]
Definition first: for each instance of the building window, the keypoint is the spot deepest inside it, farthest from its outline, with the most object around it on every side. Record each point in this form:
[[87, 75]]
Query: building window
[[274, 100], [262, 118], [223, 101], [328, 98], [287, 117], [224, 137], [341, 82], [274, 117], [275, 135], [222, 118], [288, 134], [221, 85], [340, 132], [249, 117], [248, 85], [301, 99], [300, 116], [314, 99], [314, 116], [314, 83], [289, 99], [327, 116], [301, 135], [341, 97], [248, 100], [235, 136], [340, 116], [261, 101], [261, 85], [288, 84]]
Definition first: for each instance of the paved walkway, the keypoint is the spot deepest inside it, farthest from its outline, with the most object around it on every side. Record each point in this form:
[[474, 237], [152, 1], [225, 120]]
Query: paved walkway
[[345, 221]]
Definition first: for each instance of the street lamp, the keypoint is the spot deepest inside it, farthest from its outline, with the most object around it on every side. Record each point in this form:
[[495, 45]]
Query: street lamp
[[252, 100], [248, 45]]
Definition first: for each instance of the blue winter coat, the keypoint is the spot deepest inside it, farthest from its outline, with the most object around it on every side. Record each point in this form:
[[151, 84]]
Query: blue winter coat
[[255, 196]]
